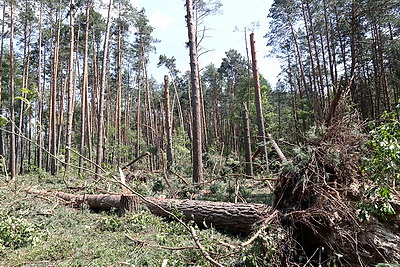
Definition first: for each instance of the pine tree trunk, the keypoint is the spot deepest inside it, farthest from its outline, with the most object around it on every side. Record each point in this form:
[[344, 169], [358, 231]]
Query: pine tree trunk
[[84, 90], [197, 154], [240, 217], [71, 88], [313, 75], [100, 129], [13, 156], [168, 124], [258, 102], [247, 142], [53, 99], [39, 129], [1, 75], [118, 114]]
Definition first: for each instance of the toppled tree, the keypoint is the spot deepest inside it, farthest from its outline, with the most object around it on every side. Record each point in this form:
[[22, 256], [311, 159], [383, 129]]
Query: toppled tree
[[319, 198], [320, 194]]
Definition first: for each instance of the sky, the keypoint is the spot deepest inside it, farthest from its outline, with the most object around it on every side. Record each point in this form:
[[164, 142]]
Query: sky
[[227, 32]]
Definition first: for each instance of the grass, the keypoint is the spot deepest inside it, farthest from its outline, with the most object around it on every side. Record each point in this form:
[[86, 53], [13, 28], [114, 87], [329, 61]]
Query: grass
[[66, 236]]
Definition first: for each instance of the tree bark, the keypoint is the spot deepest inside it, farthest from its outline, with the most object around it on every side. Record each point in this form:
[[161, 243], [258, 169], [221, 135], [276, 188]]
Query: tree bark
[[13, 156], [100, 129], [71, 88], [40, 105], [53, 98], [118, 107], [247, 142], [258, 100], [1, 74], [197, 160], [241, 217], [84, 90], [168, 124], [329, 224]]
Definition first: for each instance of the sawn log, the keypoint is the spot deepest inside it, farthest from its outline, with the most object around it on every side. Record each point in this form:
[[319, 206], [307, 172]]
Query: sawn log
[[241, 217]]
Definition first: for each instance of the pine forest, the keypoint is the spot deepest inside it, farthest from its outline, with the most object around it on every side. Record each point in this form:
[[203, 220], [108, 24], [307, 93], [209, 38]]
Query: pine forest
[[103, 164]]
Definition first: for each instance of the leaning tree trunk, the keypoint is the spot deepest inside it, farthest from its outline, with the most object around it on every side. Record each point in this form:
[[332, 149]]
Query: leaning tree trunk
[[258, 102]]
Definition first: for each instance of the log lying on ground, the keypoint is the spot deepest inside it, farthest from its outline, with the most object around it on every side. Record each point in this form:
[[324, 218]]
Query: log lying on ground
[[241, 217]]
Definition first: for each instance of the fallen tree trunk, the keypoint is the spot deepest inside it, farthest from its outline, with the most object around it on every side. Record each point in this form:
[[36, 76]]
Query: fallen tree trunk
[[241, 217], [326, 224]]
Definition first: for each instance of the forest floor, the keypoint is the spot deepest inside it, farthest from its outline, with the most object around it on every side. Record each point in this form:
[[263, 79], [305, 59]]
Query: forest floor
[[43, 231]]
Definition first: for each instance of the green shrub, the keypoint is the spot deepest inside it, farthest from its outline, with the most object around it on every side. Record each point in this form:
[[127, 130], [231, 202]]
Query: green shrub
[[17, 232], [382, 167]]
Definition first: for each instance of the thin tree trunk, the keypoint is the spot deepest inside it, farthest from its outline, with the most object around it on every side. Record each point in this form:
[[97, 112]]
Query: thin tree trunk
[[13, 156], [247, 142], [118, 107], [302, 86], [84, 90], [71, 87], [53, 99], [1, 75], [138, 118], [100, 128], [60, 123], [25, 73], [328, 45], [197, 158], [39, 129], [318, 74], [258, 103], [176, 98], [313, 75], [168, 123]]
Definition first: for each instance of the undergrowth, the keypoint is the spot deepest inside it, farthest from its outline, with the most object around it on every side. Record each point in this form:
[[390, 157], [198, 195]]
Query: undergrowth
[[43, 231], [382, 168]]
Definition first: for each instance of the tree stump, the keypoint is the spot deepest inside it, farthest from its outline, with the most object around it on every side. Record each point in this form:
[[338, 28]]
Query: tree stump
[[129, 203]]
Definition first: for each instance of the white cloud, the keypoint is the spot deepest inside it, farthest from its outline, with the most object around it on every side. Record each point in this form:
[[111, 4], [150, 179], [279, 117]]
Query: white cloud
[[136, 3], [159, 20]]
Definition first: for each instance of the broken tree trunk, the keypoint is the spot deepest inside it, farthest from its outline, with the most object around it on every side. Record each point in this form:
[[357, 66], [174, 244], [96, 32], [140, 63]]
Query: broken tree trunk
[[241, 217]]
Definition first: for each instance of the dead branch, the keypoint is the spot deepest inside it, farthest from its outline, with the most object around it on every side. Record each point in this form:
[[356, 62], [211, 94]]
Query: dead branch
[[202, 249]]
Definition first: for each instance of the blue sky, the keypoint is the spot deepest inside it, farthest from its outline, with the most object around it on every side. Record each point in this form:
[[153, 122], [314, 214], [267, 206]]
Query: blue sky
[[167, 17]]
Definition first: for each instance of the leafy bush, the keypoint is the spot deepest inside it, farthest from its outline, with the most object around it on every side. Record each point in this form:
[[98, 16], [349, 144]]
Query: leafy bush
[[110, 223], [17, 232], [382, 167]]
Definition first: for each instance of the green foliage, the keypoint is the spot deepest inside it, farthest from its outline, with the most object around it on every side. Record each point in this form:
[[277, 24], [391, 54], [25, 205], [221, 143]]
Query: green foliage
[[16, 232], [3, 121], [81, 237], [110, 223], [382, 167]]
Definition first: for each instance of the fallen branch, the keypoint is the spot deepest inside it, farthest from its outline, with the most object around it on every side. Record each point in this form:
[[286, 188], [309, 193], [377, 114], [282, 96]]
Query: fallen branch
[[136, 159], [202, 249]]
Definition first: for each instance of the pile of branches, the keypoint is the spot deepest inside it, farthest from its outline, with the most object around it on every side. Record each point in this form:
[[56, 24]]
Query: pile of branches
[[318, 195]]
